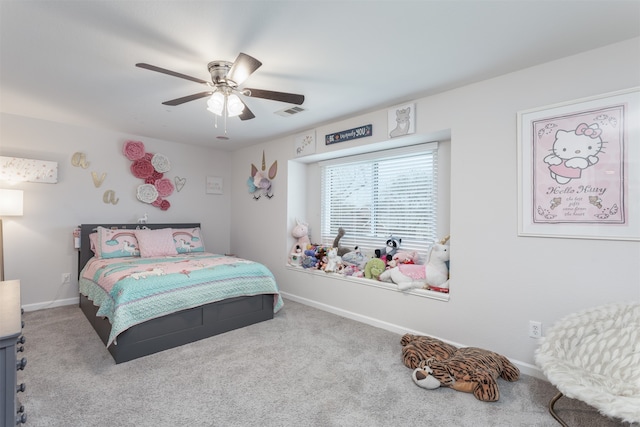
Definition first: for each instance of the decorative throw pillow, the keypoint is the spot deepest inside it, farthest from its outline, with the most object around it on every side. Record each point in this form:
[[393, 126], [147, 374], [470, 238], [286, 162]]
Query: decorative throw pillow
[[156, 242], [188, 240], [115, 243], [93, 243]]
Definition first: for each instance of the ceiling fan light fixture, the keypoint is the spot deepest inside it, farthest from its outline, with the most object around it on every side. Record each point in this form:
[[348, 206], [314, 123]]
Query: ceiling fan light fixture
[[234, 105], [215, 104]]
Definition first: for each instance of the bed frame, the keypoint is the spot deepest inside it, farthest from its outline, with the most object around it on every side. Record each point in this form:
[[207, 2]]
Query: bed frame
[[175, 329]]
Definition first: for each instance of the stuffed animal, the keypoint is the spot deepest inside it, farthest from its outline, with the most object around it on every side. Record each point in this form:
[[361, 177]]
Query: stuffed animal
[[300, 232], [405, 257], [352, 270], [309, 259], [418, 348], [321, 256], [373, 268], [434, 274], [439, 364], [389, 250], [356, 258], [334, 262], [438, 267], [406, 276], [469, 369], [342, 250], [295, 258]]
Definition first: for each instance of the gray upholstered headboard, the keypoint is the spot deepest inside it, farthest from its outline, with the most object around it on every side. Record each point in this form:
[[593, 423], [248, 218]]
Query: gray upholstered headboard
[[85, 229]]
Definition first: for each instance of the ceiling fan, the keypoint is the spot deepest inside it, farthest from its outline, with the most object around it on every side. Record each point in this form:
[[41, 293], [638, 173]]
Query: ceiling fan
[[226, 78]]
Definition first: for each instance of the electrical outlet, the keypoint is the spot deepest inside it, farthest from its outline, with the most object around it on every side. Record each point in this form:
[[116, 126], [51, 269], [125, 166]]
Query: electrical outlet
[[535, 329], [66, 278]]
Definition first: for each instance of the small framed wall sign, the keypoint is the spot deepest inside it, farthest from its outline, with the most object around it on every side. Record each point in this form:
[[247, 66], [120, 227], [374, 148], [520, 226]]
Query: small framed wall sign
[[214, 185], [15, 169], [349, 134], [402, 120], [578, 171]]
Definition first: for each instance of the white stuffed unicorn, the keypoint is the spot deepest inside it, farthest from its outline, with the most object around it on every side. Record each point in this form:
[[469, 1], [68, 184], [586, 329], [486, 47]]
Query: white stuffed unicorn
[[433, 274]]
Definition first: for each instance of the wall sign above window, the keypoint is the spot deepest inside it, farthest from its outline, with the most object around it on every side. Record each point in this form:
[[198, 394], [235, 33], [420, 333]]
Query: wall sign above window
[[349, 134]]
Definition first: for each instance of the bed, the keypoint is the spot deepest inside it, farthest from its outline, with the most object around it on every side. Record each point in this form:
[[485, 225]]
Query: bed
[[145, 300]]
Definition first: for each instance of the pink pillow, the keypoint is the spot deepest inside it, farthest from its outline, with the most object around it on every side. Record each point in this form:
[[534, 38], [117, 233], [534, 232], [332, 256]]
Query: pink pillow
[[156, 242], [188, 240], [115, 243]]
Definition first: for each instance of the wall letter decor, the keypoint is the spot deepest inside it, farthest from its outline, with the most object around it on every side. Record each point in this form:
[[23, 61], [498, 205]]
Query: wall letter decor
[[79, 160], [97, 181], [110, 197]]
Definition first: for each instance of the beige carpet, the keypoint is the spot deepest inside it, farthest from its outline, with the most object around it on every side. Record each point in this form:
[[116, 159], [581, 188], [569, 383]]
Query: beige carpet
[[305, 367]]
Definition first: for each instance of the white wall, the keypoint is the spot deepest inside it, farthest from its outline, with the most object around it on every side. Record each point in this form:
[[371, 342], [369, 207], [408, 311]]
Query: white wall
[[499, 281], [38, 247]]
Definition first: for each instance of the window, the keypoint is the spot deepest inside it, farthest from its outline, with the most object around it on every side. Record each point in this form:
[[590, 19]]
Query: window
[[376, 195]]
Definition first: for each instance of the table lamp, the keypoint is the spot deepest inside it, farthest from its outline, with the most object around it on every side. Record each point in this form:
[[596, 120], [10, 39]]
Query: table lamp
[[10, 205]]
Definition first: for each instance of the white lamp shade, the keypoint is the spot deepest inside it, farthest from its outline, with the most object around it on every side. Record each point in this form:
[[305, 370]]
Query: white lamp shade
[[216, 103], [10, 202], [234, 105]]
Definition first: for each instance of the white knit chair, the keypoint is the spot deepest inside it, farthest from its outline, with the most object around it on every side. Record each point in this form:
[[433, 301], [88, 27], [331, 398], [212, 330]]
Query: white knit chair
[[594, 356]]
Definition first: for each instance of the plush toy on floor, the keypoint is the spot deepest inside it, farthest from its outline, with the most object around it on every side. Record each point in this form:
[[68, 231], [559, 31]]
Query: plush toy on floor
[[468, 369], [418, 348]]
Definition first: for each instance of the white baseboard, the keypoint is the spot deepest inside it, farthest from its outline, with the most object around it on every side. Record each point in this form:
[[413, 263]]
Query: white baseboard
[[51, 304], [525, 368]]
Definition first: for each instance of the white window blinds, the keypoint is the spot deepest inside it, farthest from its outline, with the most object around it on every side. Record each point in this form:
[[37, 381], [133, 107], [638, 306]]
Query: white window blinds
[[380, 194]]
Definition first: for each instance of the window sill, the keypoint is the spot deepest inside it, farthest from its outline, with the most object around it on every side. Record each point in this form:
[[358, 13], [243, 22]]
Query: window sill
[[440, 296]]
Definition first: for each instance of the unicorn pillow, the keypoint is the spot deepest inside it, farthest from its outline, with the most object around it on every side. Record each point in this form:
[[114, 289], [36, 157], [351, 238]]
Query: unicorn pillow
[[188, 240], [116, 243]]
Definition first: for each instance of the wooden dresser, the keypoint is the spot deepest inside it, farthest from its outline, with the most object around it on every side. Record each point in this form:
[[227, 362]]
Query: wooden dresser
[[11, 340]]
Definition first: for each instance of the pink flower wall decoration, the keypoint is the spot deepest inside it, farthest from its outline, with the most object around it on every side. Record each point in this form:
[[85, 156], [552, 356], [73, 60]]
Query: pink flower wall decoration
[[150, 168], [133, 150], [164, 187]]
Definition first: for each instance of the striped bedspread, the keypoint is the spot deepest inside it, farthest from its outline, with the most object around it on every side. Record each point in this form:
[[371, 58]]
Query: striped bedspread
[[133, 290]]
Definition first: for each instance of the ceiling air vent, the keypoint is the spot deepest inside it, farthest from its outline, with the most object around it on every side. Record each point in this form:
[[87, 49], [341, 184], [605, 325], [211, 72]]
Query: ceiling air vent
[[290, 111]]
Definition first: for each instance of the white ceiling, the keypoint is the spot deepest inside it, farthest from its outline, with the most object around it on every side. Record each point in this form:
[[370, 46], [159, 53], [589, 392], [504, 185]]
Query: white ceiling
[[74, 61]]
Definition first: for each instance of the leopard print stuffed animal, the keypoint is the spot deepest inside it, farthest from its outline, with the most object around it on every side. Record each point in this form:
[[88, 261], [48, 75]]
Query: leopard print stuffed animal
[[417, 348], [473, 370]]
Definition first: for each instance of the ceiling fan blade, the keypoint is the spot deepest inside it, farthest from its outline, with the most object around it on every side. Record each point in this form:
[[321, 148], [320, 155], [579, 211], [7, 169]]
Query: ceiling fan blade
[[242, 68], [290, 98], [246, 114], [171, 73], [184, 99]]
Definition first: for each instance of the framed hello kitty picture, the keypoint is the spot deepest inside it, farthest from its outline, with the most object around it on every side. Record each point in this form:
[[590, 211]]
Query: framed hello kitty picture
[[579, 168]]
